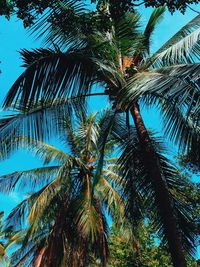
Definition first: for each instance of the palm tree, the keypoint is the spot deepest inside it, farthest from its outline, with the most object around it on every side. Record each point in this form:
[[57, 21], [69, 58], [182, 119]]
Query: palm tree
[[67, 210], [96, 49]]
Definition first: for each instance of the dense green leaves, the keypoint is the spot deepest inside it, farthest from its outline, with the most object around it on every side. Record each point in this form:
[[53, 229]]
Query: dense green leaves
[[140, 251], [29, 11]]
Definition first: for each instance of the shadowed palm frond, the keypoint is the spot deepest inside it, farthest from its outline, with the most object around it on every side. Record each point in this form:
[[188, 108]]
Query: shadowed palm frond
[[181, 128], [155, 18], [27, 179], [51, 74], [147, 191], [18, 215]]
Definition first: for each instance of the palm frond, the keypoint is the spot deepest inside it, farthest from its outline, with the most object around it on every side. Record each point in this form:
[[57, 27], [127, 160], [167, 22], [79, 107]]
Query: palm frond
[[24, 257], [40, 122], [126, 36], [179, 83], [48, 153], [68, 131], [51, 74], [180, 128], [18, 215], [182, 48], [106, 125], [48, 193], [111, 197], [146, 191], [27, 179], [86, 216], [154, 19], [87, 133]]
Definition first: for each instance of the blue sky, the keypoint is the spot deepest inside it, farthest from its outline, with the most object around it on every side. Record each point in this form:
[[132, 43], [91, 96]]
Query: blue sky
[[14, 37]]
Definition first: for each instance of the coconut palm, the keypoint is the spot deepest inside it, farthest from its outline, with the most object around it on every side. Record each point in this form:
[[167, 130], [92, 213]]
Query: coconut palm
[[67, 210], [95, 49]]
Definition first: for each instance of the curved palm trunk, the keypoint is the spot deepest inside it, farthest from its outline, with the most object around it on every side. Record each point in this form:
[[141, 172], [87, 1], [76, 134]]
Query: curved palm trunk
[[161, 191]]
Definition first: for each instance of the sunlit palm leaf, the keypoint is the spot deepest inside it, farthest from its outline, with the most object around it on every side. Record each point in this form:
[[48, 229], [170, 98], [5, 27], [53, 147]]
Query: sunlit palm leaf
[[48, 153], [177, 82], [48, 193], [40, 122], [183, 47], [111, 197]]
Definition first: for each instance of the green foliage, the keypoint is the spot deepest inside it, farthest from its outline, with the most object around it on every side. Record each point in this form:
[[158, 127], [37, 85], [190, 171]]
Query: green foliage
[[144, 250], [29, 11], [66, 210]]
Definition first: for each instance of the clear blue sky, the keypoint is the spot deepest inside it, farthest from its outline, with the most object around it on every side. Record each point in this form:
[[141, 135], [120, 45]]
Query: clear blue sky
[[14, 37]]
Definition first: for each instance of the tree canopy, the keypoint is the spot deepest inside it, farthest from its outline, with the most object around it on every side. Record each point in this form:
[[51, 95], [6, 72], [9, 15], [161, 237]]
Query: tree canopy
[[29, 11], [145, 251]]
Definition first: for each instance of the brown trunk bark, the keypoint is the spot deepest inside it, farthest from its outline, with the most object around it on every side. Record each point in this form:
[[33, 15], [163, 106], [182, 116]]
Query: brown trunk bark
[[103, 244], [38, 258], [137, 247], [55, 244], [162, 196]]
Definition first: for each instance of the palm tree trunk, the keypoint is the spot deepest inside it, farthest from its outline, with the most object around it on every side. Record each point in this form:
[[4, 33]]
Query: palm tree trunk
[[54, 250], [161, 191]]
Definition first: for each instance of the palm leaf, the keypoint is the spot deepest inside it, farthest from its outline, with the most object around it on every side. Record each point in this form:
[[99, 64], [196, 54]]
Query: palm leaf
[[27, 179], [154, 19], [48, 153], [140, 181], [182, 48], [178, 83], [111, 197], [48, 193], [40, 122], [49, 75], [64, 33]]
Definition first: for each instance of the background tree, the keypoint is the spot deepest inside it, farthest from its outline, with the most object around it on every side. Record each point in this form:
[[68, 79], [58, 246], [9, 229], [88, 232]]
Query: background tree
[[29, 11], [67, 209], [147, 252]]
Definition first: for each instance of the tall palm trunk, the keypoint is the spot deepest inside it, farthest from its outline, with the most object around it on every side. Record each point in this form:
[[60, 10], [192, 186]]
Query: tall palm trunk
[[161, 192], [52, 255]]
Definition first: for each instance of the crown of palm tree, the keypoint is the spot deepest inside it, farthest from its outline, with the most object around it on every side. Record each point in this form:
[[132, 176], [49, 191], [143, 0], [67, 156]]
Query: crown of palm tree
[[66, 212]]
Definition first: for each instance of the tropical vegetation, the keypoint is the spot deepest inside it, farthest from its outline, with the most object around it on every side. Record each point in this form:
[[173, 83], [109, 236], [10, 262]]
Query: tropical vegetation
[[67, 209], [101, 53], [145, 251]]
